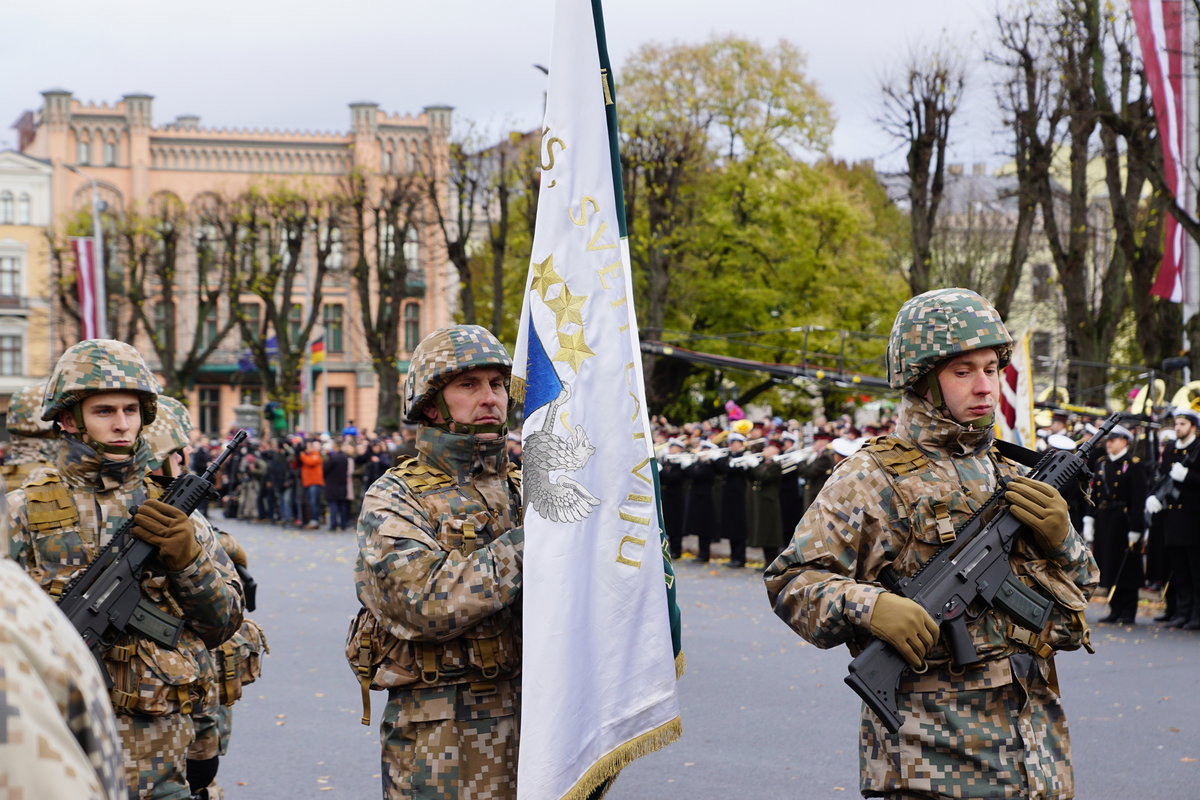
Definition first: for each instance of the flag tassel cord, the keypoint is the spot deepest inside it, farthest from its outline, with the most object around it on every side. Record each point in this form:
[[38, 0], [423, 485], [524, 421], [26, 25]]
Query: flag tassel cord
[[613, 762]]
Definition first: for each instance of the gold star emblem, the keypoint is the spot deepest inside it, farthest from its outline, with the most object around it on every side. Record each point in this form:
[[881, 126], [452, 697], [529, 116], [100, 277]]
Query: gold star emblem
[[567, 307], [544, 276], [572, 349]]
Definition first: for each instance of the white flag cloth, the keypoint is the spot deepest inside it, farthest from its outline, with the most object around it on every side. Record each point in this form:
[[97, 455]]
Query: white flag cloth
[[599, 675], [1015, 422]]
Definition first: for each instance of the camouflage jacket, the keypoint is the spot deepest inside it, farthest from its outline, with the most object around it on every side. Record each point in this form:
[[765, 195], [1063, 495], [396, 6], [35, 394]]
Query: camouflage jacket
[[439, 567], [23, 455], [59, 738], [868, 518], [91, 499]]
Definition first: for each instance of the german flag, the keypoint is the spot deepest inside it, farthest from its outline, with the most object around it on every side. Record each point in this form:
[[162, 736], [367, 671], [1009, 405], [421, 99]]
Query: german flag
[[317, 351]]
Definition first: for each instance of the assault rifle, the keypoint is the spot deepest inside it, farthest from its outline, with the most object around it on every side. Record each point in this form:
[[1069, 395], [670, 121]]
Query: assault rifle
[[971, 571], [106, 598]]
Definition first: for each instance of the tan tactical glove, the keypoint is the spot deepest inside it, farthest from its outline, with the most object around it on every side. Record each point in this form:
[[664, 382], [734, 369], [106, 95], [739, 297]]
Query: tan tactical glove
[[1042, 508], [904, 625], [168, 529]]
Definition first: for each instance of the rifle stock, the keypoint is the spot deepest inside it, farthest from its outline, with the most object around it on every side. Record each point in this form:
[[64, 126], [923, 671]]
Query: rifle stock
[[106, 598], [973, 568]]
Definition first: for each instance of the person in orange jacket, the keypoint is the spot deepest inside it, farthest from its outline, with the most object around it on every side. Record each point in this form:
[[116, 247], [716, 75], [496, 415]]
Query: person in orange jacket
[[312, 479]]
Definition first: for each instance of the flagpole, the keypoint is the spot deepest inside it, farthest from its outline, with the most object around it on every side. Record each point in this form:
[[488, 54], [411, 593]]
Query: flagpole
[[1191, 131]]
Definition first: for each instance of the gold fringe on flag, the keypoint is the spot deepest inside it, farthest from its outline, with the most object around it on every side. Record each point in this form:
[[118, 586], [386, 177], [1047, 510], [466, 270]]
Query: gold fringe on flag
[[612, 763], [680, 665]]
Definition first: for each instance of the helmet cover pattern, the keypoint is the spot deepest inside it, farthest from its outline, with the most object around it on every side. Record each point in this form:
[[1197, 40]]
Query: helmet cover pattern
[[444, 354], [940, 324]]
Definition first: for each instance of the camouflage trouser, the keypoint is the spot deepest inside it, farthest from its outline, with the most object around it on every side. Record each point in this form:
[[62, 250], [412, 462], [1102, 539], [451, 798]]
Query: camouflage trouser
[[447, 742], [998, 731], [212, 733], [156, 754]]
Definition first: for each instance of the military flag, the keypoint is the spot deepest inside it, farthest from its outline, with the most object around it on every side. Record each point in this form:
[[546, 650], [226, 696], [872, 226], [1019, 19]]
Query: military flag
[[600, 627], [85, 286], [1015, 422]]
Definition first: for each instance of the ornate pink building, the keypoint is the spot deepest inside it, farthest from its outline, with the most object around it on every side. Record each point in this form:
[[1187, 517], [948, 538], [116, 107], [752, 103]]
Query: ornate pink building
[[133, 161]]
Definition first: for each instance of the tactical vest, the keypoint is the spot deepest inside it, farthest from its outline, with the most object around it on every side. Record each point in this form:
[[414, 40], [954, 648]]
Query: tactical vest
[[931, 511], [147, 678], [488, 652], [15, 475]]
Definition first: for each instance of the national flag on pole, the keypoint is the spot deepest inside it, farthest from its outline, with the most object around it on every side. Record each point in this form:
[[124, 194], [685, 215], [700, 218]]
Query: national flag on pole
[[317, 354], [85, 285], [1160, 33], [1015, 423], [600, 627]]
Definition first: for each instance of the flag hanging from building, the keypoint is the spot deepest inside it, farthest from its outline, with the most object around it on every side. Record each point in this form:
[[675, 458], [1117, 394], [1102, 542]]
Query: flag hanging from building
[[600, 628], [317, 354], [85, 286], [1159, 26], [1015, 422]]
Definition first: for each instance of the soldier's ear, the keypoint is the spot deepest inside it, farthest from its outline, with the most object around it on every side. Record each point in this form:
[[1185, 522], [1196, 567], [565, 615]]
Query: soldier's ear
[[66, 421], [431, 413]]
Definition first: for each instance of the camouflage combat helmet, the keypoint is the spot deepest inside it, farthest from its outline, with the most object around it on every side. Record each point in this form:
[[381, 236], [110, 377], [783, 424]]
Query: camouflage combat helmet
[[25, 413], [94, 366], [937, 325], [444, 354], [169, 432]]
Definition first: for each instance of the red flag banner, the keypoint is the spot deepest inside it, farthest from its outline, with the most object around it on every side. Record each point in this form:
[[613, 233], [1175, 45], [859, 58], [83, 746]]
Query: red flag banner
[[1159, 25], [85, 284]]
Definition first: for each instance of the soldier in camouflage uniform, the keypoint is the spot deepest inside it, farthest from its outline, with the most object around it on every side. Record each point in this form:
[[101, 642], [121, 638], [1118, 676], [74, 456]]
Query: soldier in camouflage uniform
[[439, 577], [58, 740], [100, 395], [237, 661], [31, 440], [994, 729]]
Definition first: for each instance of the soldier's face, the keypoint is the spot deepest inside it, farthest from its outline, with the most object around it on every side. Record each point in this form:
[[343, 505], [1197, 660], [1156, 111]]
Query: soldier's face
[[1183, 427], [112, 418], [971, 384], [476, 397], [1115, 445]]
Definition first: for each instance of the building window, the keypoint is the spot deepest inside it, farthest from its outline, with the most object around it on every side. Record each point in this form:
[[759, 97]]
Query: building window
[[210, 410], [335, 409], [336, 255], [159, 320], [1041, 283], [23, 214], [387, 164], [295, 319], [387, 245], [208, 333], [252, 396], [252, 314], [334, 327], [412, 249], [1039, 346], [10, 276], [6, 208], [83, 153], [110, 154], [11, 360], [412, 326]]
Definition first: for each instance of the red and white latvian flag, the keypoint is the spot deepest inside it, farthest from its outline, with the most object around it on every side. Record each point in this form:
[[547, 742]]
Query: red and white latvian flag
[[1159, 25], [599, 645], [85, 284], [1014, 423]]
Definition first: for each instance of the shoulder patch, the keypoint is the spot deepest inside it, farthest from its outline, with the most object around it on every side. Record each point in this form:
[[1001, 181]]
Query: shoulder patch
[[419, 477], [895, 455]]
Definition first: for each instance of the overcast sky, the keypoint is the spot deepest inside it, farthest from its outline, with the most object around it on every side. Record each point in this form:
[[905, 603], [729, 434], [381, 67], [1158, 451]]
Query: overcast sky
[[295, 65]]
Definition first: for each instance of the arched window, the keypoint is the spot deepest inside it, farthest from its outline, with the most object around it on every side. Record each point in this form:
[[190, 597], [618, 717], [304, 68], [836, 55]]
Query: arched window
[[412, 249], [23, 213], [412, 326], [336, 256], [386, 163], [6, 208], [83, 153], [110, 154]]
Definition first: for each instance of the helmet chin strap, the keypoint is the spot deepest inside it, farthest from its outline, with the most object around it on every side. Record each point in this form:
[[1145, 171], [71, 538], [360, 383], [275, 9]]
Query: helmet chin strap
[[100, 447], [449, 425], [939, 401]]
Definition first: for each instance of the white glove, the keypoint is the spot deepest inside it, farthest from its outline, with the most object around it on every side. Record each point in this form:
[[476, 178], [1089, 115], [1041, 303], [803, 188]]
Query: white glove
[[1089, 529], [1178, 472], [1134, 537], [1153, 504]]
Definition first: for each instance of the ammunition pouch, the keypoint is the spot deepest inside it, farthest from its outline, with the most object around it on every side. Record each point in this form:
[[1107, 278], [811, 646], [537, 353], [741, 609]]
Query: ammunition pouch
[[152, 680], [239, 661]]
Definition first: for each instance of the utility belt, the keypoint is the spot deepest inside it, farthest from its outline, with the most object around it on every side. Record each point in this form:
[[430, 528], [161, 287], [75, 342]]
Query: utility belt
[[152, 680], [486, 653]]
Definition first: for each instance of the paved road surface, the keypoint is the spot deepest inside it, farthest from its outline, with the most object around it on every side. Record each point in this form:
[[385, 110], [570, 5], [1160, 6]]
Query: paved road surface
[[764, 714]]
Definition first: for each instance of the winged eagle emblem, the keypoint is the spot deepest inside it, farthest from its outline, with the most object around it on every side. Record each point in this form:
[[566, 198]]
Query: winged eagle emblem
[[559, 499]]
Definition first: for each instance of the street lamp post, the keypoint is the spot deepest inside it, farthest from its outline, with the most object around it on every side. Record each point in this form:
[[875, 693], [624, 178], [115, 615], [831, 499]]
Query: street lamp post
[[98, 279]]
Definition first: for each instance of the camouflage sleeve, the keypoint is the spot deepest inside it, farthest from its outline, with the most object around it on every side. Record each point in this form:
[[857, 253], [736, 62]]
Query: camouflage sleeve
[[58, 736], [419, 590], [208, 589], [1076, 561], [814, 585], [20, 547]]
